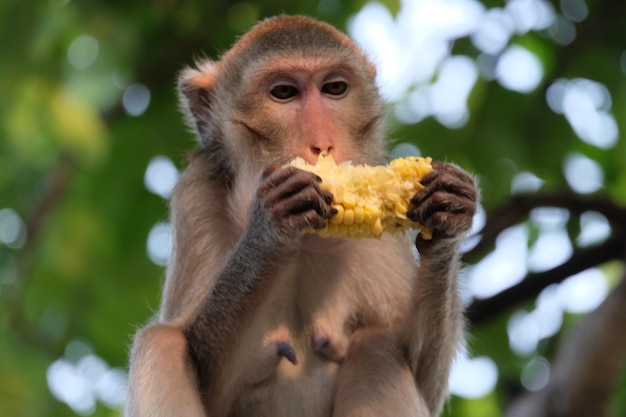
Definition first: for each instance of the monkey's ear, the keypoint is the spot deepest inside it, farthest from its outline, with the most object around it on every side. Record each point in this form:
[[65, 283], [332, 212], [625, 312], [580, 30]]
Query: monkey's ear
[[195, 91]]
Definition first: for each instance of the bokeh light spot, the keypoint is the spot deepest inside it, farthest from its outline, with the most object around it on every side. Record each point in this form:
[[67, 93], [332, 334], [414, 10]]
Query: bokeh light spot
[[583, 174], [586, 105], [83, 52], [161, 176], [583, 292], [159, 245], [536, 374], [574, 10], [81, 378], [136, 99], [494, 33], [473, 377], [525, 182], [594, 228], [562, 31], [519, 70], [502, 268], [12, 229], [530, 14]]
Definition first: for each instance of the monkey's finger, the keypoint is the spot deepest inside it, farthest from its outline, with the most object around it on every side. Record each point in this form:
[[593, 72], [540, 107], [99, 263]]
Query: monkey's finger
[[449, 213], [316, 198], [274, 176], [307, 208], [460, 190], [285, 182], [294, 200], [326, 195], [428, 178], [447, 178], [441, 168], [442, 201], [306, 219], [311, 198]]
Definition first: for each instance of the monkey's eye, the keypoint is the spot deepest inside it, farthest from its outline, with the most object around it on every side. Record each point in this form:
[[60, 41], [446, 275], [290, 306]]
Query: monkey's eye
[[335, 88], [284, 91]]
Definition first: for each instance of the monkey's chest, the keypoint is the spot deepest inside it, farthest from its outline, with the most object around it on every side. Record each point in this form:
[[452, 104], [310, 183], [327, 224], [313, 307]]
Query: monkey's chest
[[289, 366], [290, 370]]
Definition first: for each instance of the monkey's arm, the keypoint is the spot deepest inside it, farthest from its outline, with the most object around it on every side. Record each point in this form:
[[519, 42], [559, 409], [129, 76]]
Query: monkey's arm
[[286, 201], [435, 324], [163, 380]]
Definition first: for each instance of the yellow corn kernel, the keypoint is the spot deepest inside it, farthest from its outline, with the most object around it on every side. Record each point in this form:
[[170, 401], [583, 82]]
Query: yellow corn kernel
[[359, 215], [377, 228], [372, 215], [348, 216], [349, 200], [369, 200], [343, 230], [338, 217], [400, 209]]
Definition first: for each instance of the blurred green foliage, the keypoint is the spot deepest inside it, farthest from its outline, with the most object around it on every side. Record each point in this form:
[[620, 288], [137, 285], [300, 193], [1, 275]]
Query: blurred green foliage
[[72, 164]]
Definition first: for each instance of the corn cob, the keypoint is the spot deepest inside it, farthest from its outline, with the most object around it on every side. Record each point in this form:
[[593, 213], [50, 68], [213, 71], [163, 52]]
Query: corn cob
[[369, 200]]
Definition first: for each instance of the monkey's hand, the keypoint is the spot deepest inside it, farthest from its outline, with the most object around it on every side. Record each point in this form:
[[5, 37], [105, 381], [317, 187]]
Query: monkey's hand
[[288, 200], [447, 204]]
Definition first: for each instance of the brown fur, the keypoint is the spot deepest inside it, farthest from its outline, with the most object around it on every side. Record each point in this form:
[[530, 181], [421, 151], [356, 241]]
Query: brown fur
[[259, 319]]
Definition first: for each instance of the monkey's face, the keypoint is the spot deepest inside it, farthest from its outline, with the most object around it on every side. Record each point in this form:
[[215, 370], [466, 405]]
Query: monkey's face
[[305, 106]]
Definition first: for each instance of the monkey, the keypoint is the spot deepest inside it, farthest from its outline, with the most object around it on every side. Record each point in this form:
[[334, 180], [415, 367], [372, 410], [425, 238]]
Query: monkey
[[260, 318]]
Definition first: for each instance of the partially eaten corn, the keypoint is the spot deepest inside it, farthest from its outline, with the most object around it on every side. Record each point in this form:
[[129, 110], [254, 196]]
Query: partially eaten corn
[[369, 200]]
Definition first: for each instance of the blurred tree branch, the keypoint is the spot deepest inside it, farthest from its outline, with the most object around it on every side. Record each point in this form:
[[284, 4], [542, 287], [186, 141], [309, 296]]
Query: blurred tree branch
[[590, 361], [481, 310], [515, 210], [52, 194], [518, 207]]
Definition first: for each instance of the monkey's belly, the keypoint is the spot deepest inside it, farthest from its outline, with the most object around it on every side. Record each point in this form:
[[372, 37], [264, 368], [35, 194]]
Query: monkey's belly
[[302, 389]]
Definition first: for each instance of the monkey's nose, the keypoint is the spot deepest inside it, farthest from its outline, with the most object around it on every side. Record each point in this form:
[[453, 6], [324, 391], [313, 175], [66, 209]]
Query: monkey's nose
[[322, 150], [316, 151]]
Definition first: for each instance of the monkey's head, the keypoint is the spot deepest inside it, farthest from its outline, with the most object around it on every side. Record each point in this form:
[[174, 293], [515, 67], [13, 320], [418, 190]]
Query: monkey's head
[[291, 86]]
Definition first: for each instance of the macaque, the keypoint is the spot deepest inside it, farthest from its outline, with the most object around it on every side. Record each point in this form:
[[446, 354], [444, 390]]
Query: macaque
[[260, 318]]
